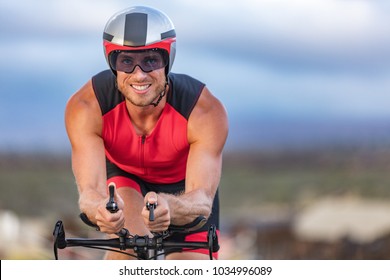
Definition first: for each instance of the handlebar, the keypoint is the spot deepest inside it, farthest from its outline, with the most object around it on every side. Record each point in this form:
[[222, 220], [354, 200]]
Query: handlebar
[[140, 244], [112, 206]]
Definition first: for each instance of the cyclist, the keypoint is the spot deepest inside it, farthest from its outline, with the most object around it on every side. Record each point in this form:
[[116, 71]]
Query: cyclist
[[156, 135]]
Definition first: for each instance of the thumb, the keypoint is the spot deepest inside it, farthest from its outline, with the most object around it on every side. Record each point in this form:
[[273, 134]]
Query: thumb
[[151, 197]]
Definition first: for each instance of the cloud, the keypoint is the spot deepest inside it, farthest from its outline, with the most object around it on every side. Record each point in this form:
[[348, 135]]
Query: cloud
[[309, 35], [43, 19], [313, 35], [284, 53], [277, 58]]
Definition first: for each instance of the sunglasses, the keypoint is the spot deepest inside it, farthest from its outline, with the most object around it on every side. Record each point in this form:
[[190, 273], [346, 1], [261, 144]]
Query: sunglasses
[[147, 60]]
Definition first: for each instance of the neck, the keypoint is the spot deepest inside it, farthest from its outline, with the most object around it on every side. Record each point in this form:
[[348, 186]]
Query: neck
[[144, 119]]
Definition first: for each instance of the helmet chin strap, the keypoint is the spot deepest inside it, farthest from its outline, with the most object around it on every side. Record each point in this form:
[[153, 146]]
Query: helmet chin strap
[[155, 104]]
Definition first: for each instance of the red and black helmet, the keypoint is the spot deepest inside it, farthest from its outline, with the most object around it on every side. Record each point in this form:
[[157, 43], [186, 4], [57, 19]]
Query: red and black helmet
[[140, 28]]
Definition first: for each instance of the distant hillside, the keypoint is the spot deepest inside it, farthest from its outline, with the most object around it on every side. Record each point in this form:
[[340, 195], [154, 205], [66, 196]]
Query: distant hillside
[[263, 133], [43, 185]]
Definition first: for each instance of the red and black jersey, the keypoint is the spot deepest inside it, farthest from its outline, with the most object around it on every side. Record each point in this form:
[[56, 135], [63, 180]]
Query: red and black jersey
[[161, 156]]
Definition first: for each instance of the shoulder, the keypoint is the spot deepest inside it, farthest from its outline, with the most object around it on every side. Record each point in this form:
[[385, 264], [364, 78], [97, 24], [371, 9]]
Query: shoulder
[[209, 106], [87, 94], [185, 82], [186, 89], [184, 93], [83, 110], [106, 91], [104, 79], [84, 98], [208, 121]]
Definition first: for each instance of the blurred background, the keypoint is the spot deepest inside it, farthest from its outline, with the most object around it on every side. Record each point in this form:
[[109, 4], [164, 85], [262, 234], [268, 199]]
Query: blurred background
[[306, 85]]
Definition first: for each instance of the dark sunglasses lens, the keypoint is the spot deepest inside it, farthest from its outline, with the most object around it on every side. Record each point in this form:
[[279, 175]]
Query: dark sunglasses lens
[[148, 60]]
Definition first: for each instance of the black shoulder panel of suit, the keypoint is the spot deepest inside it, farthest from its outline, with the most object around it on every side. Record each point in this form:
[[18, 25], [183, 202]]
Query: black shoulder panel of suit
[[184, 93], [107, 94]]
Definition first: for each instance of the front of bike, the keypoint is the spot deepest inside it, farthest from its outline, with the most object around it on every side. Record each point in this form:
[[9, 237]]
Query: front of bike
[[141, 245]]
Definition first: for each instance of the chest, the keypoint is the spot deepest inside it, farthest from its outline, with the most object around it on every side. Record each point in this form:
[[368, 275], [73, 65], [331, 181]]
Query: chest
[[165, 144]]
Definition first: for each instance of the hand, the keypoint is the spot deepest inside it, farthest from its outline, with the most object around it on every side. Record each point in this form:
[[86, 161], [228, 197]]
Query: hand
[[162, 218], [107, 221]]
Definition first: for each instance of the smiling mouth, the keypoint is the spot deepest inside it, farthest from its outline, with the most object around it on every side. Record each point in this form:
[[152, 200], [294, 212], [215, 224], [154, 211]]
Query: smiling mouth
[[140, 87]]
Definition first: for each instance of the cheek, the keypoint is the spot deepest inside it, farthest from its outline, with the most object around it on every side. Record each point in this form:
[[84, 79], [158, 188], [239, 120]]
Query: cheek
[[120, 78], [160, 77], [121, 82]]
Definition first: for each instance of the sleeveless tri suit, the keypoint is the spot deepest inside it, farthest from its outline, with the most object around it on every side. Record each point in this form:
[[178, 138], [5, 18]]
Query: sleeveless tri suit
[[155, 162]]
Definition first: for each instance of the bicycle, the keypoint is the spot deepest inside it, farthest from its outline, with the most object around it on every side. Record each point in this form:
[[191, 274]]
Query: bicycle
[[144, 247]]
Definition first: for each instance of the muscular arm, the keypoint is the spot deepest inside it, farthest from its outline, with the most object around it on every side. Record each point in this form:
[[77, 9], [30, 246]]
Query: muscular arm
[[83, 124], [207, 133]]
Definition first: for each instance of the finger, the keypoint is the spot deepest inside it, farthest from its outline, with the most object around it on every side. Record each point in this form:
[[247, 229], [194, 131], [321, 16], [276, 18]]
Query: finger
[[111, 223], [160, 222], [158, 227]]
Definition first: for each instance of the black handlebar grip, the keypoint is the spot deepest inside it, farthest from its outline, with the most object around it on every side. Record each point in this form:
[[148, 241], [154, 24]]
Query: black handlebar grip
[[87, 221]]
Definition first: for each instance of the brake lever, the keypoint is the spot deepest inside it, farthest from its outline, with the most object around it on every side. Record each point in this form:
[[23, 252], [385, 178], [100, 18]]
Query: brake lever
[[59, 238]]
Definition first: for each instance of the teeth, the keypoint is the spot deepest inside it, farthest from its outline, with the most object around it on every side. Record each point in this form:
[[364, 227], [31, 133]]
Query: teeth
[[140, 87]]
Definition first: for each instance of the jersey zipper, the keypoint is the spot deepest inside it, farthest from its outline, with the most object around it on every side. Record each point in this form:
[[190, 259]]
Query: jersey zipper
[[142, 153]]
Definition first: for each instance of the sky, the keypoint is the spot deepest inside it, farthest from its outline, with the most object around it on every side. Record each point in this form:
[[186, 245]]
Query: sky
[[287, 71]]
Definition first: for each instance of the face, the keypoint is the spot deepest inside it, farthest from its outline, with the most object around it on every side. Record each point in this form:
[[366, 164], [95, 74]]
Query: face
[[141, 88], [142, 78]]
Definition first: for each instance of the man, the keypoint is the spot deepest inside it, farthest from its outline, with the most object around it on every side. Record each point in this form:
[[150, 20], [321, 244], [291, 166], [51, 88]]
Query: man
[[157, 136]]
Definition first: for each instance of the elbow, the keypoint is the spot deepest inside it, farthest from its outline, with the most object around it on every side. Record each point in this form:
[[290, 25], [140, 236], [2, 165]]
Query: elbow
[[204, 211], [82, 205]]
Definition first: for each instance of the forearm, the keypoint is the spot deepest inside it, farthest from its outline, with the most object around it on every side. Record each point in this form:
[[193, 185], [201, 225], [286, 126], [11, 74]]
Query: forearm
[[184, 208], [89, 171]]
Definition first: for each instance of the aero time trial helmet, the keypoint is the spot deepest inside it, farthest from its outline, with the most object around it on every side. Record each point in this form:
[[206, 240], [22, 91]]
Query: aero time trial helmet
[[140, 28]]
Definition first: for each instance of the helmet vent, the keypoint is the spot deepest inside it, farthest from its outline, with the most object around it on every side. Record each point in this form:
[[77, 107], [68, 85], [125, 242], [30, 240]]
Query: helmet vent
[[107, 37], [168, 34]]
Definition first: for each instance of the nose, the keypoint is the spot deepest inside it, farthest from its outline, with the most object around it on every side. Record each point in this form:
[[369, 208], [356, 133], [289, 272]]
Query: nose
[[137, 71]]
